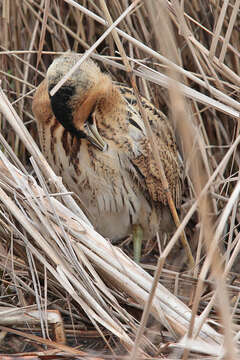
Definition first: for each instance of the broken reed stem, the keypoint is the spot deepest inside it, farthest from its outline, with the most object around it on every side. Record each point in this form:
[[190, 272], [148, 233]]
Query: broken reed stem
[[47, 342], [150, 135]]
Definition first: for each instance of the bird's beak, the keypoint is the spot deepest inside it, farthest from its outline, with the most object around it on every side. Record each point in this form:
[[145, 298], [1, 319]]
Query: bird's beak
[[93, 136]]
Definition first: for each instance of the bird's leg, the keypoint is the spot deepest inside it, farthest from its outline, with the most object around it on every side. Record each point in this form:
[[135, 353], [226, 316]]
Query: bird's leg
[[137, 242]]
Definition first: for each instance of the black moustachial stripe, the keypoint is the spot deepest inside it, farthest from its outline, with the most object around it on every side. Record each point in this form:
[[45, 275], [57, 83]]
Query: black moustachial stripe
[[62, 110]]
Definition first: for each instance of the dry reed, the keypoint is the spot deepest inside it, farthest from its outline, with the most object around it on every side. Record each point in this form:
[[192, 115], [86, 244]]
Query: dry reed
[[183, 56]]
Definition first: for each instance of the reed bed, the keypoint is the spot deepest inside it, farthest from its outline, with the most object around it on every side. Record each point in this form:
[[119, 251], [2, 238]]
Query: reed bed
[[65, 290]]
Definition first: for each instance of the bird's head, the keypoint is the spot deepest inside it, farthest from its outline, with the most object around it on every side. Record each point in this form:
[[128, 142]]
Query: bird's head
[[74, 103]]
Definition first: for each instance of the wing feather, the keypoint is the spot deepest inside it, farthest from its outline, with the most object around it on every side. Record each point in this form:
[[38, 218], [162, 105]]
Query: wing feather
[[144, 162]]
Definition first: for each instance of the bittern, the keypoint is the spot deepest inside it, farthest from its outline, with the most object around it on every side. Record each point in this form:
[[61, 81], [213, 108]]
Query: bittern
[[93, 136]]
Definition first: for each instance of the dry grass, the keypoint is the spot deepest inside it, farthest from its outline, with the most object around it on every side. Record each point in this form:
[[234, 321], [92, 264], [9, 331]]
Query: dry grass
[[59, 278]]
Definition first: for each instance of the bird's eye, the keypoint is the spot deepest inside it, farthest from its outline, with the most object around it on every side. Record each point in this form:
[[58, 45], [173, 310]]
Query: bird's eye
[[90, 119]]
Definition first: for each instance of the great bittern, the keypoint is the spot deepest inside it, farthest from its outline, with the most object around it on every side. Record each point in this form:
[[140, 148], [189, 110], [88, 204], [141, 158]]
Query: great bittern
[[93, 136]]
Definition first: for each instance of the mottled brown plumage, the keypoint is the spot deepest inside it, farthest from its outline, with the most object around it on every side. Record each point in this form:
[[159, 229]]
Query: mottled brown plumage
[[92, 134]]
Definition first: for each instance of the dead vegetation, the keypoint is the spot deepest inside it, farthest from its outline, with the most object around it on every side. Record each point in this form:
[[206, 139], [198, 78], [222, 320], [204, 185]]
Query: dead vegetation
[[64, 289]]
